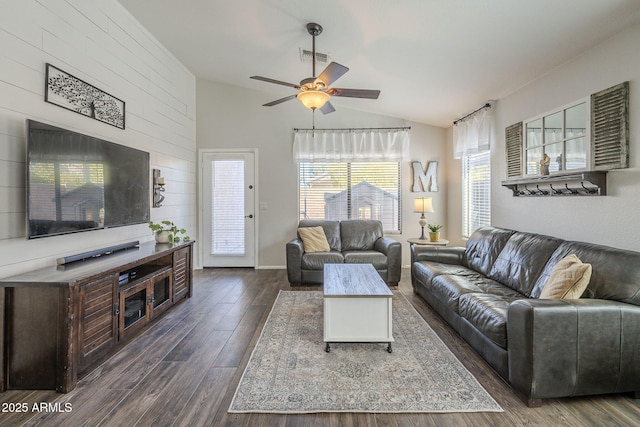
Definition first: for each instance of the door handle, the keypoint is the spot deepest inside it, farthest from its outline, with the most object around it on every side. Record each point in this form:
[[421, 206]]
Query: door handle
[[249, 216]]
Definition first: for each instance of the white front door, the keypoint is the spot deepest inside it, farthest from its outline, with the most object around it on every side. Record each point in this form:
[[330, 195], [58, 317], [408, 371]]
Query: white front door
[[229, 218]]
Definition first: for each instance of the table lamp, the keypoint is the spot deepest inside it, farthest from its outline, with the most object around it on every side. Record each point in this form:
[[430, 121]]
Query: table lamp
[[422, 205]]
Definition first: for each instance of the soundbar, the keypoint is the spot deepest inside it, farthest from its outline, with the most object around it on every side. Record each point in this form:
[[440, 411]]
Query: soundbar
[[97, 253]]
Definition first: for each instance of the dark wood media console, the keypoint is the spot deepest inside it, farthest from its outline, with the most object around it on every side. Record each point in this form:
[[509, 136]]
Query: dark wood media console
[[60, 321]]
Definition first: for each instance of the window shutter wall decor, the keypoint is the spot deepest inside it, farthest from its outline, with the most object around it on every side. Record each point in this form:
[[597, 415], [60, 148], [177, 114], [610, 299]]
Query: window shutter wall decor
[[610, 128], [513, 141]]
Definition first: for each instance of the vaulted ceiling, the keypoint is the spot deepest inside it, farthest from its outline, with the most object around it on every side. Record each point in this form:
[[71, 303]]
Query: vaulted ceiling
[[433, 60]]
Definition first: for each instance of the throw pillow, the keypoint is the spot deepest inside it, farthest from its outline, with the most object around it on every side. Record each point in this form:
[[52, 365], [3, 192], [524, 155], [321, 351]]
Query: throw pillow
[[568, 279], [314, 239]]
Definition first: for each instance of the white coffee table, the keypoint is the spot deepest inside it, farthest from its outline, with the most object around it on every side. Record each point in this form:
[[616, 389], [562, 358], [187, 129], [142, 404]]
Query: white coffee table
[[357, 305]]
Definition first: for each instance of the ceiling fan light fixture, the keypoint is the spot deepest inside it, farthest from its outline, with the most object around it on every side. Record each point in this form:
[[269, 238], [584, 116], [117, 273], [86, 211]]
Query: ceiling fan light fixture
[[313, 99]]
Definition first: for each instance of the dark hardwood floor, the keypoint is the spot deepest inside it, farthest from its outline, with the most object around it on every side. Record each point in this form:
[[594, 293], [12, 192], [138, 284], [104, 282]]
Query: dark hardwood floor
[[184, 369]]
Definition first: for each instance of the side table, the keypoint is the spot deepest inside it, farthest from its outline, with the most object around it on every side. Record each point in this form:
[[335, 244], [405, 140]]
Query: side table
[[418, 241]]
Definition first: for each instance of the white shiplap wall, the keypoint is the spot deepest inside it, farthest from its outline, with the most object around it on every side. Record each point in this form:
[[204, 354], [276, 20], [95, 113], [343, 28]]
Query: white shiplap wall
[[99, 42]]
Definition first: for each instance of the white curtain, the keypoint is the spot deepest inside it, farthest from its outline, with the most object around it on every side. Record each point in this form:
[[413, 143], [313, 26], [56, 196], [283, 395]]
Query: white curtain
[[472, 135], [352, 145]]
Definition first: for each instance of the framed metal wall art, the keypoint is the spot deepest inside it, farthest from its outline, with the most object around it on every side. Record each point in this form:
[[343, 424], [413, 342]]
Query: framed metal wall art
[[67, 91]]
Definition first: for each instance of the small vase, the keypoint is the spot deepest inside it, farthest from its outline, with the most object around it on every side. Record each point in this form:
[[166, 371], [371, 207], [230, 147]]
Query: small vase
[[162, 236], [434, 236]]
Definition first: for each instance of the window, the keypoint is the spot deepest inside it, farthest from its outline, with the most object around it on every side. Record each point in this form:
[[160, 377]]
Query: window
[[353, 190], [476, 192]]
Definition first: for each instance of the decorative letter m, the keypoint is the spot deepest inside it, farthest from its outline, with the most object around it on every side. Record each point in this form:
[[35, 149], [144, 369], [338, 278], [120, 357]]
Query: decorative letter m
[[424, 178]]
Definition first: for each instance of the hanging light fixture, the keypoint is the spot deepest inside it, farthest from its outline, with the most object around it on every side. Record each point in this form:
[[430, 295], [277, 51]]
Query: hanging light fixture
[[313, 99]]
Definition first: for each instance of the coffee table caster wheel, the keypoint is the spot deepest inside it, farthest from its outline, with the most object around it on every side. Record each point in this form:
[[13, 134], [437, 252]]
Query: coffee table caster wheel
[[389, 349], [327, 348]]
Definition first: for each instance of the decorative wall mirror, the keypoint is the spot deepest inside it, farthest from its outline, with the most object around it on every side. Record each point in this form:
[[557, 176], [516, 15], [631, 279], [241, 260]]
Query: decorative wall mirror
[[570, 148], [557, 141]]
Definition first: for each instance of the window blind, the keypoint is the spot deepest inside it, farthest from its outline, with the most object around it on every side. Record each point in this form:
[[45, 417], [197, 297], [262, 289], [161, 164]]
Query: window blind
[[351, 190], [227, 207], [476, 192]]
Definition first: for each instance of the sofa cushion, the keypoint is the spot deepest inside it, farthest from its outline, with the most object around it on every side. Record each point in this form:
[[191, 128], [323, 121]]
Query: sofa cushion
[[317, 260], [568, 280], [615, 272], [483, 247], [377, 259], [488, 314], [449, 288], [522, 259], [331, 231], [426, 271], [314, 239], [360, 234]]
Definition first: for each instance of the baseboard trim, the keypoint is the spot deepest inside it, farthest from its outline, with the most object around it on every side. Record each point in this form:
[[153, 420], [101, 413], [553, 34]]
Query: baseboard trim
[[270, 267]]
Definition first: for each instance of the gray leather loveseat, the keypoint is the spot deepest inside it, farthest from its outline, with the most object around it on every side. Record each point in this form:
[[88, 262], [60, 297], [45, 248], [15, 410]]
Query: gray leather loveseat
[[351, 241], [546, 348]]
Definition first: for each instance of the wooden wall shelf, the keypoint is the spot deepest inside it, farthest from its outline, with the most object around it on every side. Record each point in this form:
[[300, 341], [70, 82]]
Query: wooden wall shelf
[[570, 184]]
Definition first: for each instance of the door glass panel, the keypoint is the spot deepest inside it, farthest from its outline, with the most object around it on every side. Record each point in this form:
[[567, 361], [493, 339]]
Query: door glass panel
[[227, 207], [577, 153]]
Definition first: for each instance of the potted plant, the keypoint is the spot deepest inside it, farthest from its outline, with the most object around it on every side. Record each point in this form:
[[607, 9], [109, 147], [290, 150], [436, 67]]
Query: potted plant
[[167, 232], [434, 232]]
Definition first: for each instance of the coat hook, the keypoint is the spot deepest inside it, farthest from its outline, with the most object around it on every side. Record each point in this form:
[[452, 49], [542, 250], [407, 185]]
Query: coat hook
[[571, 190], [589, 190]]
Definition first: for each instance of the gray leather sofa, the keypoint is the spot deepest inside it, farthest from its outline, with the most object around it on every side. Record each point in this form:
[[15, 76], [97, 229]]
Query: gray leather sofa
[[351, 241], [488, 292]]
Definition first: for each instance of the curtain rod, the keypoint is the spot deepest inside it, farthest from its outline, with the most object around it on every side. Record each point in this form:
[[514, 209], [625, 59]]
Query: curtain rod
[[487, 105], [314, 129]]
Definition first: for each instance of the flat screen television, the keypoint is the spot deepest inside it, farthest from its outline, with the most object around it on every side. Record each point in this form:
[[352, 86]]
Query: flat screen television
[[76, 182]]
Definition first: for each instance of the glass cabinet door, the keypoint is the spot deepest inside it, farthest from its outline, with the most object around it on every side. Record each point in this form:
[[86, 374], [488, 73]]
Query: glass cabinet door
[[162, 289], [135, 307], [134, 311]]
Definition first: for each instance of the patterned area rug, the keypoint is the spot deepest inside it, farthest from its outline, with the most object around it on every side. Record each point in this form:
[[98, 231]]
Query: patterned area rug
[[289, 371]]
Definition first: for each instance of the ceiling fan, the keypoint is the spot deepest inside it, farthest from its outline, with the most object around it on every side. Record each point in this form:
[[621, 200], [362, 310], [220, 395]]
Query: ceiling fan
[[315, 91]]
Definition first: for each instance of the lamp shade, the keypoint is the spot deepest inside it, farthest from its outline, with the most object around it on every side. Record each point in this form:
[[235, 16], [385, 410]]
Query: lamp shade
[[422, 205], [313, 99]]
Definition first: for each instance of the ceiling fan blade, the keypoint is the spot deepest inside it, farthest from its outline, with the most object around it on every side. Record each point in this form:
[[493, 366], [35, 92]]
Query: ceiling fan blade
[[354, 93], [278, 82], [327, 108], [279, 101], [332, 73]]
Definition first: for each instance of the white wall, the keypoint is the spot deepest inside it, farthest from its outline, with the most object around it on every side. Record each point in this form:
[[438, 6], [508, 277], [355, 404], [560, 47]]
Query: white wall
[[99, 42], [233, 117], [610, 220]]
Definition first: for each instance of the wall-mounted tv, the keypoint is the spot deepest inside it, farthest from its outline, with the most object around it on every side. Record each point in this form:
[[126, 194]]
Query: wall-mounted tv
[[77, 182]]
